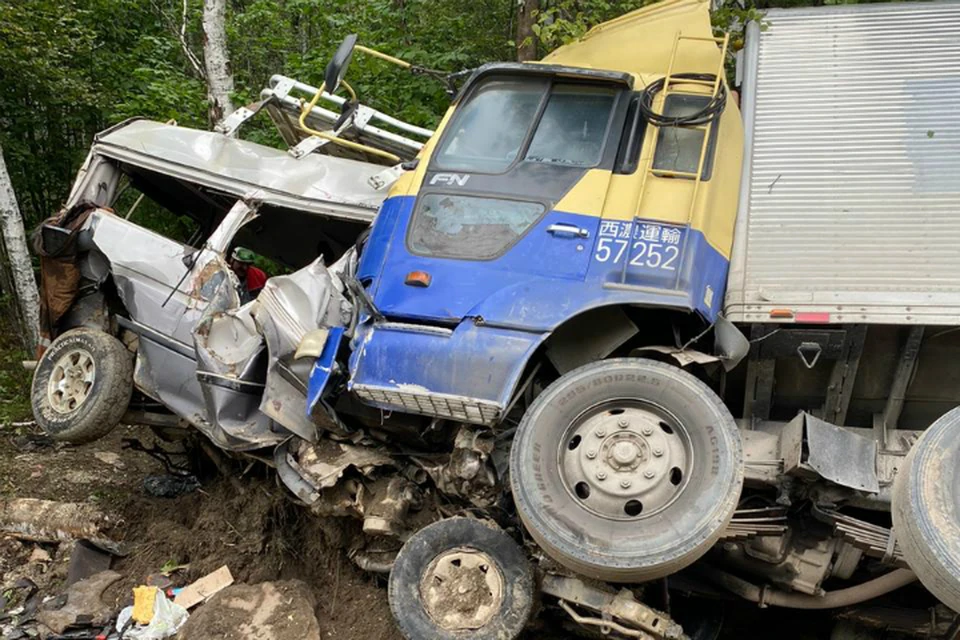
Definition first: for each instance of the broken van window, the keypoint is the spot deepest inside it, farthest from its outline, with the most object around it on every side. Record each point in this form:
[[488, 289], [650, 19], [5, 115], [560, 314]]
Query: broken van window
[[678, 148], [468, 227], [573, 126], [490, 129]]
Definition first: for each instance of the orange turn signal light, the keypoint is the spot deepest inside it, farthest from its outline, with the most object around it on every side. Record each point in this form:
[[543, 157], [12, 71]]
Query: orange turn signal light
[[781, 313], [418, 279]]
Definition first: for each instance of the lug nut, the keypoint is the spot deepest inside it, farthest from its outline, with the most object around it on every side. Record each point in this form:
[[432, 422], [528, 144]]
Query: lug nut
[[600, 433], [591, 454], [622, 423], [658, 452], [601, 475], [649, 474], [647, 431], [625, 484]]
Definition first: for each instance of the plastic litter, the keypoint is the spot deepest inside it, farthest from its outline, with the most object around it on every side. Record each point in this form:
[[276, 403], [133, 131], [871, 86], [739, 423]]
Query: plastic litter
[[167, 620]]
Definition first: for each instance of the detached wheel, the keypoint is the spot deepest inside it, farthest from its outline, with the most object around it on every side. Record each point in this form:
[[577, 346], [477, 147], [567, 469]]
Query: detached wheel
[[82, 386], [926, 509], [460, 578], [626, 470]]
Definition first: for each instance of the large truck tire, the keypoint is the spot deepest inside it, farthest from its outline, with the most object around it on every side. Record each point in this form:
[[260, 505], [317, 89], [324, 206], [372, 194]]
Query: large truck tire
[[926, 509], [82, 386], [461, 578], [626, 470]]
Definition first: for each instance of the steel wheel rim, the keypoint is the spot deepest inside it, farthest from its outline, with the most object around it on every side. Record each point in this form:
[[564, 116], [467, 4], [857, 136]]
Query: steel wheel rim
[[462, 589], [71, 380], [625, 459]]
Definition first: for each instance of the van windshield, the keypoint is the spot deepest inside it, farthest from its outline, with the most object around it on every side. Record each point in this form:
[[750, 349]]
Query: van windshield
[[493, 128]]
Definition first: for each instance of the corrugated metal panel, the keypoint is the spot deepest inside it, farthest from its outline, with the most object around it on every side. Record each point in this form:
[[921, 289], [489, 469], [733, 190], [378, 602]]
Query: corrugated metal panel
[[852, 201]]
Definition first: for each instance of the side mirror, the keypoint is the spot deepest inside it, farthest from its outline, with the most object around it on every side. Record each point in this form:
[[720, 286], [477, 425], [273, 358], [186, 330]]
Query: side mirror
[[337, 66]]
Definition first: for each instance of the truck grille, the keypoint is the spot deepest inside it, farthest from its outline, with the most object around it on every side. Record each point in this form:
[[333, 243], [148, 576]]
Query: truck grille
[[431, 404]]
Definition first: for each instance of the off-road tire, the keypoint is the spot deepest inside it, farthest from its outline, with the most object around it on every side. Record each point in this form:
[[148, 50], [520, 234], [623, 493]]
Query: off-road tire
[[109, 394], [926, 509], [671, 537], [406, 598]]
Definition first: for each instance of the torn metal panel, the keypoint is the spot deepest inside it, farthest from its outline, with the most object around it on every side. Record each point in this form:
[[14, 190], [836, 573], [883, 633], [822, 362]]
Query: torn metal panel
[[325, 462], [842, 456], [288, 310], [468, 471]]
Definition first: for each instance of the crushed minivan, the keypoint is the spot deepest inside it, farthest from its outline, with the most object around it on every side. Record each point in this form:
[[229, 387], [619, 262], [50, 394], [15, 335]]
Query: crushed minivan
[[609, 349]]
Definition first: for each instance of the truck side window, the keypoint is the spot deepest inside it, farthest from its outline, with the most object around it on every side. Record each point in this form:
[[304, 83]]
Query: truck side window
[[678, 148], [573, 127], [631, 141]]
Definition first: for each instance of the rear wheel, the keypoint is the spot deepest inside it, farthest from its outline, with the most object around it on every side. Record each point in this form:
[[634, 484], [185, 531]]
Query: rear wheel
[[926, 509], [626, 470], [461, 578], [82, 386]]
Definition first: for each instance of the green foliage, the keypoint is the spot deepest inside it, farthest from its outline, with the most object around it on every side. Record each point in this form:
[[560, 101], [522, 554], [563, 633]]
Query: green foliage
[[70, 68], [14, 379]]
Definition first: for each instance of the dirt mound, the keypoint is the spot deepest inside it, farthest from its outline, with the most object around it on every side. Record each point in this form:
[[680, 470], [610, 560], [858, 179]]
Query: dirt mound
[[265, 611]]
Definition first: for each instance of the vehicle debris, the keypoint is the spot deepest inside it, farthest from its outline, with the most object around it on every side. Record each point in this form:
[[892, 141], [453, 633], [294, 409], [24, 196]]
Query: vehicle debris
[[204, 588], [81, 604]]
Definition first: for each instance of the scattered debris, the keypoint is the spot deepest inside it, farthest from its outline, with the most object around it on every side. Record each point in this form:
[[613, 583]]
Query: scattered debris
[[110, 458], [204, 588], [81, 604], [39, 554], [170, 486], [274, 610], [152, 616], [86, 560]]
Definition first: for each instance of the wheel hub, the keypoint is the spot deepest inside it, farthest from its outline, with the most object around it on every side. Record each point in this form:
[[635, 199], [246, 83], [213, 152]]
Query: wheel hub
[[625, 460], [71, 380], [462, 589]]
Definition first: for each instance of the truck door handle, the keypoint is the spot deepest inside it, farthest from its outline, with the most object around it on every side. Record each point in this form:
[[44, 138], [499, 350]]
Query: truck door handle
[[568, 230]]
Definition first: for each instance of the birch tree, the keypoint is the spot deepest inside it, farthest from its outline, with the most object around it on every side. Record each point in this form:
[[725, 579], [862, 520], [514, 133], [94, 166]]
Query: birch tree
[[21, 270], [216, 60]]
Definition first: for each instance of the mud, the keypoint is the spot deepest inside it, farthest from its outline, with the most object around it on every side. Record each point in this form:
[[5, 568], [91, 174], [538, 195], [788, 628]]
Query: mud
[[248, 523]]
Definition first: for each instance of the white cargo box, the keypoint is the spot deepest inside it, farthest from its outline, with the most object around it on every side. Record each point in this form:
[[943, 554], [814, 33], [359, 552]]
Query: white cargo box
[[850, 202]]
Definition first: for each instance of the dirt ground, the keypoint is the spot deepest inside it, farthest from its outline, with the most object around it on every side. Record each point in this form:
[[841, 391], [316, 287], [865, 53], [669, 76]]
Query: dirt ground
[[245, 522]]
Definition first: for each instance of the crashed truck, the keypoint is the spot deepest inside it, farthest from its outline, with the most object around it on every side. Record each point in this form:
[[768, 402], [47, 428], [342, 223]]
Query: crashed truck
[[627, 336]]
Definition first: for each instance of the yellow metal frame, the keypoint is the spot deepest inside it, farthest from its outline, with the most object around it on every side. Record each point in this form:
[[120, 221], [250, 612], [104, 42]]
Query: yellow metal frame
[[707, 129]]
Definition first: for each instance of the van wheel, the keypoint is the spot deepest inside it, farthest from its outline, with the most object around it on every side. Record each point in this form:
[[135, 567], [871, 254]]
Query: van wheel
[[926, 509], [82, 386], [626, 470], [461, 578]]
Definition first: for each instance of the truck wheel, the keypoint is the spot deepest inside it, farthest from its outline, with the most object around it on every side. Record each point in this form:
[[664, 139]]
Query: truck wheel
[[461, 578], [626, 470], [82, 386], [926, 509]]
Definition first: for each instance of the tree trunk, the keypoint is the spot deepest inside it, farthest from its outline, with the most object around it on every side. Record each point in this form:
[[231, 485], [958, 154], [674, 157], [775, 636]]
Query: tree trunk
[[526, 39], [216, 59], [19, 265]]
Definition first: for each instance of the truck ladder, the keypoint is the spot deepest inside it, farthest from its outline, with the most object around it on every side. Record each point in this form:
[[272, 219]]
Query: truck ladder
[[660, 103]]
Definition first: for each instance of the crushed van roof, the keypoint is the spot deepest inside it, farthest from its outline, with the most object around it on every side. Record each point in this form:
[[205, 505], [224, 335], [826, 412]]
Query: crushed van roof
[[314, 183]]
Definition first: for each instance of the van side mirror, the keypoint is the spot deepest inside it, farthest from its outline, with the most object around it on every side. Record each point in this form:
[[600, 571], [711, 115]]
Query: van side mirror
[[337, 66]]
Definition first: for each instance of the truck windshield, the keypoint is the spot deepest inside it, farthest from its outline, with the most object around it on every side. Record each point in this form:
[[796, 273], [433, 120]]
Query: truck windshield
[[488, 133]]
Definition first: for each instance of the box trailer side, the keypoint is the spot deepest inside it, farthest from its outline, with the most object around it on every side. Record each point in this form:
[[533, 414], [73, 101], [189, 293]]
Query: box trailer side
[[850, 201]]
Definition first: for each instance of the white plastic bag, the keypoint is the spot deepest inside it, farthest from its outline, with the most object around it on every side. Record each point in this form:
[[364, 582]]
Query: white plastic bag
[[167, 620]]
